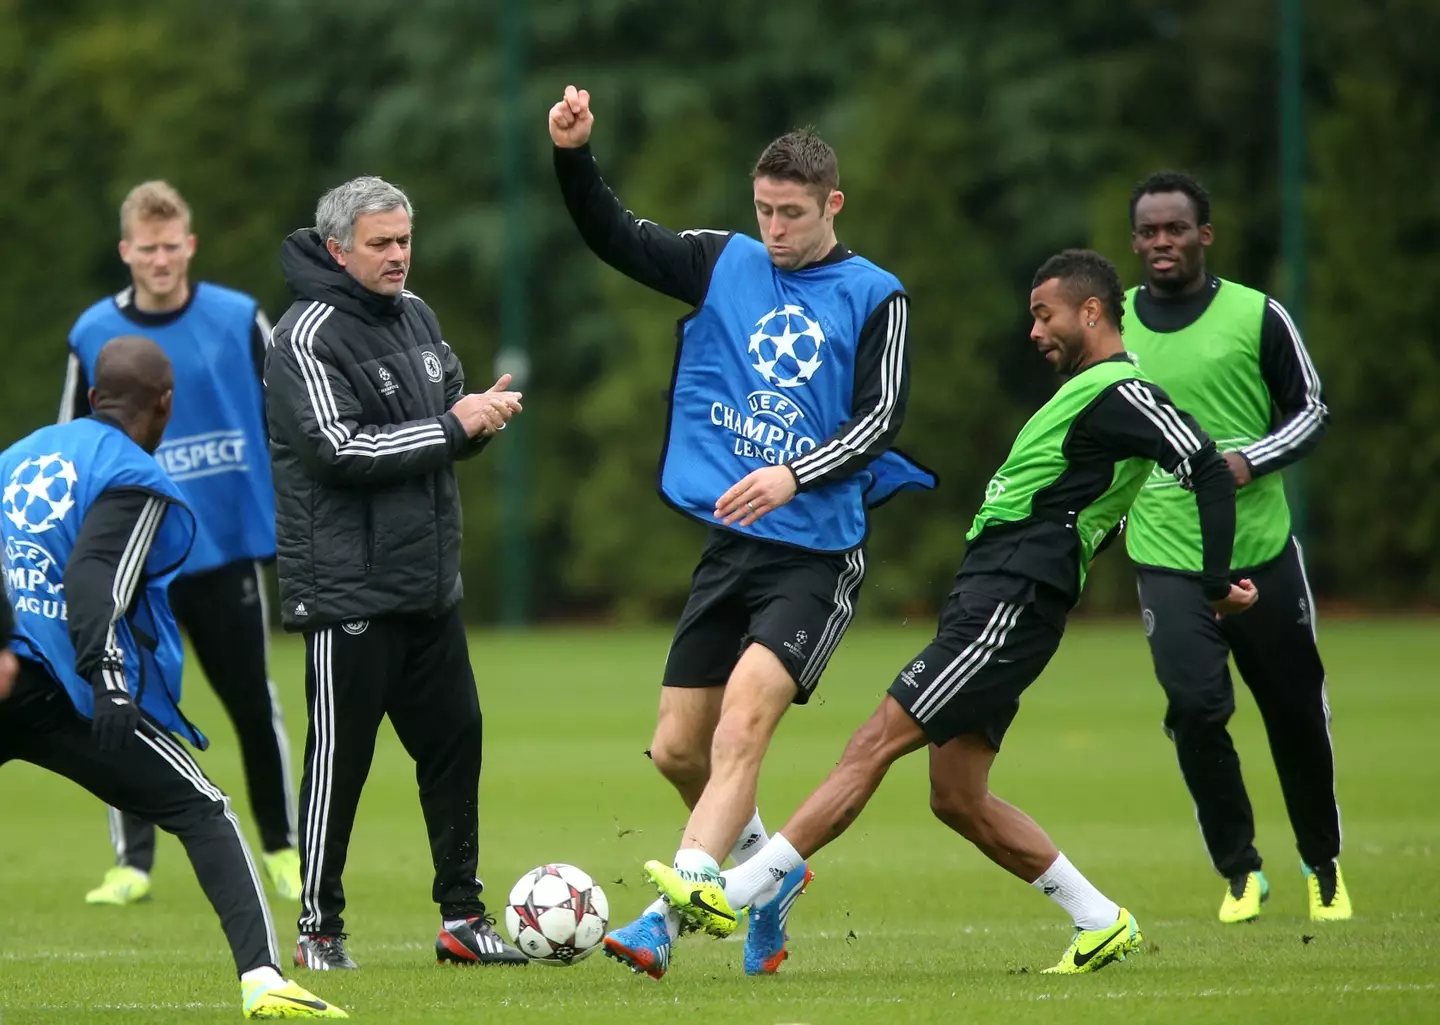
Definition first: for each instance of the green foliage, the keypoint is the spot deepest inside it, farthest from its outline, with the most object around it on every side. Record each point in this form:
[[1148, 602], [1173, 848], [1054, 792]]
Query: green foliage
[[975, 139]]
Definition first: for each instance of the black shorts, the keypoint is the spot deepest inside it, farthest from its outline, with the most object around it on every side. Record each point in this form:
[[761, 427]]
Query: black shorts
[[795, 602], [996, 635]]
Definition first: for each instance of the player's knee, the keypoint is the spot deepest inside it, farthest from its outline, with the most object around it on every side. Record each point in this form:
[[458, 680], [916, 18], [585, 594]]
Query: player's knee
[[739, 737], [679, 762], [200, 818], [252, 722], [1193, 709], [960, 811]]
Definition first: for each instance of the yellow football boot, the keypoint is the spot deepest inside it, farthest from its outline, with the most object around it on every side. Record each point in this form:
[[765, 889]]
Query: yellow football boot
[[1243, 898], [699, 897], [282, 868], [1329, 900], [287, 1001], [1093, 949], [122, 885]]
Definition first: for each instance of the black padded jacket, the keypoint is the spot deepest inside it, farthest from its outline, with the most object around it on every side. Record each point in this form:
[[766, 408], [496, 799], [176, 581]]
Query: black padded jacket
[[358, 388]]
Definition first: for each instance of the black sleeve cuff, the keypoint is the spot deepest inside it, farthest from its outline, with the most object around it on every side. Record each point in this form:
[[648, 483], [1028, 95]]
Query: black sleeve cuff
[[455, 433], [96, 678], [573, 152], [1215, 589]]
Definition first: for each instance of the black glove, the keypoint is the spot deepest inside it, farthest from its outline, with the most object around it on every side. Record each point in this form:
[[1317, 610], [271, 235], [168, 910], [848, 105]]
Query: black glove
[[116, 719]]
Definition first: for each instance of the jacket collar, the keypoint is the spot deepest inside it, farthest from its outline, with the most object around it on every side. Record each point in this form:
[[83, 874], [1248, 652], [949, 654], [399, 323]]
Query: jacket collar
[[312, 273]]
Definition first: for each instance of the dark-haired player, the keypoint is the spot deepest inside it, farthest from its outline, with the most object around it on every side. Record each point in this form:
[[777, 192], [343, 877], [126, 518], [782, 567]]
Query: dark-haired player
[[94, 532], [1233, 358], [789, 389], [1058, 498]]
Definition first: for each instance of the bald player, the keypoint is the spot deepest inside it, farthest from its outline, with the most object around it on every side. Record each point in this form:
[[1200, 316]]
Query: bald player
[[94, 532]]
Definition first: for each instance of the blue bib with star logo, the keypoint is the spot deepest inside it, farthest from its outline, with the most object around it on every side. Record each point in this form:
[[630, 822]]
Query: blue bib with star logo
[[50, 480], [764, 373]]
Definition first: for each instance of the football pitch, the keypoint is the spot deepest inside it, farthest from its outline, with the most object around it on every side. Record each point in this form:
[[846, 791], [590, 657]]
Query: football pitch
[[904, 922]]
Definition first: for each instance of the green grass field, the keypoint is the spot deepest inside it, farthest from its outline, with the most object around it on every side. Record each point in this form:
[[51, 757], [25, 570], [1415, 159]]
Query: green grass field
[[905, 922]]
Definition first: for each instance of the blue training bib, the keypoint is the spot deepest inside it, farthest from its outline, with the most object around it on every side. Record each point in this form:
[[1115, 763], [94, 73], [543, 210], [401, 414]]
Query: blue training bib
[[50, 480], [765, 373], [216, 446]]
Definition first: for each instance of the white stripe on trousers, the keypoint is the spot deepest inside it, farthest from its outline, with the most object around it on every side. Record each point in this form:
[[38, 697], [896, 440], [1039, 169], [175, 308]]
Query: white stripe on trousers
[[322, 764], [179, 759], [117, 835], [969, 662], [850, 578], [1324, 692]]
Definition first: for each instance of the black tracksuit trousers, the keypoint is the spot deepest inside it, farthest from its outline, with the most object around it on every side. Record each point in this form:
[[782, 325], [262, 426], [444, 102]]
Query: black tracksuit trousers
[[155, 778], [1274, 648], [415, 669], [223, 612]]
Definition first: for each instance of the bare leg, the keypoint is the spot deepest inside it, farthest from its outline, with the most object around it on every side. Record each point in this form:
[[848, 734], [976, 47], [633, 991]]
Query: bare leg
[[683, 734], [759, 691], [960, 797], [887, 735]]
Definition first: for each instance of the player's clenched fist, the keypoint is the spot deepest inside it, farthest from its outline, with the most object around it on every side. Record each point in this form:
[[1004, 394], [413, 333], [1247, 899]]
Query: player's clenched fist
[[571, 120]]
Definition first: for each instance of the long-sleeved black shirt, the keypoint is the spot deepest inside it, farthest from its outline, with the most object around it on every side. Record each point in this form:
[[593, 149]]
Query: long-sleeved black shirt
[[1300, 416], [75, 395], [679, 264], [104, 574], [1129, 420]]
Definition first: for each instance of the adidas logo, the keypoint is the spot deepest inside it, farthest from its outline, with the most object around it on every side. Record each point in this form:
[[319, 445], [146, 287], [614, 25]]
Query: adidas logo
[[300, 609], [750, 841], [779, 874], [1051, 890]]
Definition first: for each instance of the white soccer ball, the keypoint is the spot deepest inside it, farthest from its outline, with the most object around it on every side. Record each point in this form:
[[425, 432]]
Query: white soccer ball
[[557, 914]]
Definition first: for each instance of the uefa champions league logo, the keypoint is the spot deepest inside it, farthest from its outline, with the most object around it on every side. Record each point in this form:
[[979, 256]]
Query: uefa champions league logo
[[40, 493], [786, 346]]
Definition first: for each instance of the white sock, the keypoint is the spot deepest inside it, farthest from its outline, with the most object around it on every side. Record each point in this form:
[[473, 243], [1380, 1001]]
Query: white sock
[[750, 840], [451, 923], [671, 916], [266, 975], [761, 873], [693, 859], [1063, 883]]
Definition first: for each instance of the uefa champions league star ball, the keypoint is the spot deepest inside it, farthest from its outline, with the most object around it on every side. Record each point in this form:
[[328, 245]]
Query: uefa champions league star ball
[[40, 493], [557, 914], [787, 347]]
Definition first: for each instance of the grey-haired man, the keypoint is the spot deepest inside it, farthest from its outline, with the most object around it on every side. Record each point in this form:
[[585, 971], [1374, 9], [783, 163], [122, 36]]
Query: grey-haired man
[[368, 413]]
